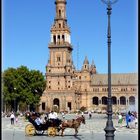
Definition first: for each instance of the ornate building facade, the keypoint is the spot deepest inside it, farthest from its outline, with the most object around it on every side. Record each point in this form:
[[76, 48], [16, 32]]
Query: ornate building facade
[[70, 89]]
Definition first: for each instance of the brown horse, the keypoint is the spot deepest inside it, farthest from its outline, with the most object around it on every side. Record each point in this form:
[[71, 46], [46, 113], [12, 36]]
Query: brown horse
[[74, 123]]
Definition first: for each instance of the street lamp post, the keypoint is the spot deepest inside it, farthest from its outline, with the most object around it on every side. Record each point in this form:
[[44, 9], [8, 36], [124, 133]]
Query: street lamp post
[[15, 102], [109, 129]]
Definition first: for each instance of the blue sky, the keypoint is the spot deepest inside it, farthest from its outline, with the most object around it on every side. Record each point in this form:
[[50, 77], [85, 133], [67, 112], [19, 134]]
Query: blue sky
[[26, 33]]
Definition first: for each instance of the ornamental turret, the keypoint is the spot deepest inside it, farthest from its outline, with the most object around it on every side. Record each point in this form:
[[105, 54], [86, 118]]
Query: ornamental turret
[[92, 68], [85, 66]]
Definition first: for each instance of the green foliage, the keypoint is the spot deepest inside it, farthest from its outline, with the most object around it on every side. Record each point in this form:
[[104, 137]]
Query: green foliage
[[23, 85]]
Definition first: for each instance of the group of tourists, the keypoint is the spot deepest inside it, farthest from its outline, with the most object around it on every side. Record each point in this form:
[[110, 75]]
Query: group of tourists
[[130, 118], [51, 116]]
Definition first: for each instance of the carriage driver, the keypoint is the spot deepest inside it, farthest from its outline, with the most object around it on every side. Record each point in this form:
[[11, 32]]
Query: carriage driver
[[54, 117]]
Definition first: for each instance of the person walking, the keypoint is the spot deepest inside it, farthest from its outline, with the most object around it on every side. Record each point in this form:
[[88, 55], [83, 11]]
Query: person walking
[[127, 119], [120, 119], [90, 115], [132, 121], [16, 118], [12, 118], [82, 114]]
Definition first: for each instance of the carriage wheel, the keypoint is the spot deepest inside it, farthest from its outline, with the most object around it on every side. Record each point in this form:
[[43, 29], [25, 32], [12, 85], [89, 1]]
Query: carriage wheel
[[52, 131], [29, 130]]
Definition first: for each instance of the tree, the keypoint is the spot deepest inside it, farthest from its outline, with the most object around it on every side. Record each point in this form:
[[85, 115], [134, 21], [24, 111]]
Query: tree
[[22, 87]]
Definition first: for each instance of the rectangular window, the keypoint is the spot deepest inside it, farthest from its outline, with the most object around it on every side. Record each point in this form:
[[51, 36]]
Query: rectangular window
[[43, 106], [58, 59], [69, 105]]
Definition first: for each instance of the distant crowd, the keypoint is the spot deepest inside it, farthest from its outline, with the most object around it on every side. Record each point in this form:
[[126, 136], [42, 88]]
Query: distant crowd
[[130, 119]]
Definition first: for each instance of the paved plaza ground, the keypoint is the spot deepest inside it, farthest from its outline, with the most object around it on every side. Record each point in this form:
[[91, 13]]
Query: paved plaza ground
[[92, 130]]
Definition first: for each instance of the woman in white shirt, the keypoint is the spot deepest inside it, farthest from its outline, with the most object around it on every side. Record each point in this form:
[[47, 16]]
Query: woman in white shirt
[[12, 117]]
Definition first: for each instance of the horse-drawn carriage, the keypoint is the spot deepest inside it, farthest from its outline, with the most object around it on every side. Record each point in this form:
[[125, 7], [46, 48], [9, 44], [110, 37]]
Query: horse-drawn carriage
[[50, 126]]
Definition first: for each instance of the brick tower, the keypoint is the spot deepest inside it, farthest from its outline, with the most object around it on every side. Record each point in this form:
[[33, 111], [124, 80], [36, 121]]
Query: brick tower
[[60, 69]]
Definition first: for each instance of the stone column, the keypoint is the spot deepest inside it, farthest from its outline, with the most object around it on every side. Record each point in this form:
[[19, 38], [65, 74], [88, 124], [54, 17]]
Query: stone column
[[101, 101], [118, 101], [56, 38], [51, 38], [127, 101]]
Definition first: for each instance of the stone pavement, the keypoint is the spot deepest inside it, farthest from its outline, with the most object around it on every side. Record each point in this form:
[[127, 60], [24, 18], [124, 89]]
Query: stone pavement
[[94, 125]]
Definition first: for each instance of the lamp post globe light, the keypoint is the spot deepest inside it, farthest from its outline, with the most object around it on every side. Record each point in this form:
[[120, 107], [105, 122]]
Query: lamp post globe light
[[109, 129]]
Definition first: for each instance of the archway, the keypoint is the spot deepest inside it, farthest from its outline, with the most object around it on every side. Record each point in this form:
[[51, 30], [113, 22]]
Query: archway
[[131, 100], [104, 100], [56, 102], [95, 101], [114, 100], [56, 105], [122, 100]]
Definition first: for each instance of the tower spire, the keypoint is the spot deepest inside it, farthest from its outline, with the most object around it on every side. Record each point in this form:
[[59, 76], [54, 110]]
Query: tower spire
[[85, 64], [93, 68], [60, 9], [60, 32]]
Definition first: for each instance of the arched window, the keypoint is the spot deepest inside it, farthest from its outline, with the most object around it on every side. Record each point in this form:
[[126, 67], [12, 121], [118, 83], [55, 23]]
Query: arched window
[[122, 100], [56, 101], [114, 100], [131, 100], [95, 100], [54, 39], [104, 100], [59, 13], [58, 38], [63, 38]]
